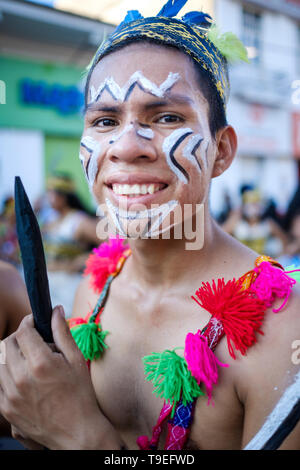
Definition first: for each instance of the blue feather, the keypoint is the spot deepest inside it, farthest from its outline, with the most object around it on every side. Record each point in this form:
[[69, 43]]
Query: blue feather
[[171, 8], [131, 15], [197, 18]]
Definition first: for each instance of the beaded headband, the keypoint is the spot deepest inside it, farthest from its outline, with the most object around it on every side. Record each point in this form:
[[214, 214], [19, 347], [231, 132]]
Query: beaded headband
[[194, 34]]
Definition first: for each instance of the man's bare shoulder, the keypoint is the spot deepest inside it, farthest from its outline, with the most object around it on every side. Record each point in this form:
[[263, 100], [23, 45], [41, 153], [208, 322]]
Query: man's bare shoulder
[[85, 298], [14, 299], [270, 367], [8, 274]]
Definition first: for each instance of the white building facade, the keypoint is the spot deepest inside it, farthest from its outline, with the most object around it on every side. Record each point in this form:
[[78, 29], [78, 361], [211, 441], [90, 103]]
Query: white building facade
[[264, 106]]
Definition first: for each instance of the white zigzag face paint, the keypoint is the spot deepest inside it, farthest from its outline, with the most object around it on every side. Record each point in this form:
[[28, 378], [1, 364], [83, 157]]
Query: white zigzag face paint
[[148, 222], [124, 131], [173, 141], [137, 79], [90, 164], [145, 133]]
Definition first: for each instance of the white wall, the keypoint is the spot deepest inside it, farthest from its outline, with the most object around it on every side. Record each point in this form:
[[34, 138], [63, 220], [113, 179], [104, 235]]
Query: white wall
[[21, 154], [279, 38], [228, 16]]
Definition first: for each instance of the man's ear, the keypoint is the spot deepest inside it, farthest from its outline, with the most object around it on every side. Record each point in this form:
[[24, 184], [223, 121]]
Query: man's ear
[[226, 140]]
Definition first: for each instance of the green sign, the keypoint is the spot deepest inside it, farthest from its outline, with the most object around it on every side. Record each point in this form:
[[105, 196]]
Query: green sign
[[41, 96]]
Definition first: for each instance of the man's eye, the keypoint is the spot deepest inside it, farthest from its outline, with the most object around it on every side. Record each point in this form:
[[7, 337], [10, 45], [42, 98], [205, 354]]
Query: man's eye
[[106, 122], [169, 119]]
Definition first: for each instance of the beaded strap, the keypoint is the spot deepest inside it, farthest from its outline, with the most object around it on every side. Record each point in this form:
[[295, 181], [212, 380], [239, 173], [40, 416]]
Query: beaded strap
[[179, 426]]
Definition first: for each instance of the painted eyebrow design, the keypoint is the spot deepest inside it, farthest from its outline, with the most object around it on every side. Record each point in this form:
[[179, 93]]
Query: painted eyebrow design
[[170, 99], [106, 108]]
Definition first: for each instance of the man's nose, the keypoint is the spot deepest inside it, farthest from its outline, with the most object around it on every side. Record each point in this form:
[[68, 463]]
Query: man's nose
[[128, 146]]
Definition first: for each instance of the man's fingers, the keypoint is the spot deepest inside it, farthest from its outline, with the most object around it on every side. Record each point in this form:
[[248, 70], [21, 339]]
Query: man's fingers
[[6, 383], [26, 442], [15, 360], [33, 347], [31, 344], [8, 394], [62, 336]]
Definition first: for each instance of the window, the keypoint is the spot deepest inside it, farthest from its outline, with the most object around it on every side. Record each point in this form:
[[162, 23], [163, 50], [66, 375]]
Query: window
[[252, 34]]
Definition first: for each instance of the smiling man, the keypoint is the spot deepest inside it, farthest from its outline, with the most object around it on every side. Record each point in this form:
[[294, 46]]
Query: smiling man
[[155, 134]]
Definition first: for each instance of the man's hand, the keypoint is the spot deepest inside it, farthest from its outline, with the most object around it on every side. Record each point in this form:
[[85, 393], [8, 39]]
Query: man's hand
[[46, 392]]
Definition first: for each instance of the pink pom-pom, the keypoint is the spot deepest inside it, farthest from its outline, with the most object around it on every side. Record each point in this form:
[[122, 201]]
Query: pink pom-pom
[[112, 250], [104, 261], [201, 361], [270, 283], [143, 442]]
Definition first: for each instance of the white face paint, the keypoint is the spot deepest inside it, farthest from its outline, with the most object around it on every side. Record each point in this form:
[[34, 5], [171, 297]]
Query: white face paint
[[150, 219], [82, 160], [145, 133], [124, 131], [93, 148], [137, 79], [169, 147], [280, 412], [189, 152]]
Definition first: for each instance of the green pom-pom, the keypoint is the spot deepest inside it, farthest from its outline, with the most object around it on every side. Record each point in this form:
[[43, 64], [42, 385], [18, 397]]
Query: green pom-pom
[[89, 339], [228, 44], [171, 378], [295, 275]]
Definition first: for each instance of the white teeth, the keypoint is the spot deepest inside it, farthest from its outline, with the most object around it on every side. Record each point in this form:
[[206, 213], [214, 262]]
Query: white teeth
[[135, 189], [151, 189]]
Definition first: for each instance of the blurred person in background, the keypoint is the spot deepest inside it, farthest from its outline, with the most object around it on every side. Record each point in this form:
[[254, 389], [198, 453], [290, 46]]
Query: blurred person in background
[[44, 212], [68, 239], [291, 255], [227, 208], [14, 305], [251, 225], [9, 248], [292, 210]]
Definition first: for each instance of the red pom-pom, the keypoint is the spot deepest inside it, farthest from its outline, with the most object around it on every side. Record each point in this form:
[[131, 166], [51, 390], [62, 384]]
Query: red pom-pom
[[104, 261], [75, 321], [239, 311]]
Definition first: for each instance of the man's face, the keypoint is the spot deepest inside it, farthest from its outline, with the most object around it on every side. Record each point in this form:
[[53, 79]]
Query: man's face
[[146, 137]]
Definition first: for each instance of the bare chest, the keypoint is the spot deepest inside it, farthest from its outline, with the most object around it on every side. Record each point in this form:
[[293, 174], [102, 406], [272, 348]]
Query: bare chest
[[136, 329]]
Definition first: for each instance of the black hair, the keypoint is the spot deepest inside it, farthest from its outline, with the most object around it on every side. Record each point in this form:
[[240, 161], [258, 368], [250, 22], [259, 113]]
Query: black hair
[[216, 114], [72, 200]]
